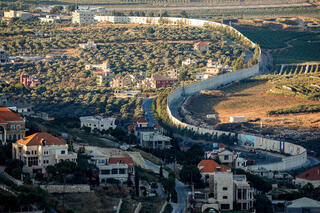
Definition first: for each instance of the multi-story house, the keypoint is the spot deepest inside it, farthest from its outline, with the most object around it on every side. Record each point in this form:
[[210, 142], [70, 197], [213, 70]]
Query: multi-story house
[[121, 81], [158, 81], [227, 189], [12, 125], [3, 56], [29, 81], [188, 62], [201, 46], [104, 66], [149, 137], [113, 167], [311, 176], [221, 185], [243, 193], [83, 17], [88, 45], [98, 122], [40, 150], [17, 14]]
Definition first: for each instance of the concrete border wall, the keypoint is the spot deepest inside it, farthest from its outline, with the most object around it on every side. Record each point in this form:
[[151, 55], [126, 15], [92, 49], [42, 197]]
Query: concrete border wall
[[298, 153]]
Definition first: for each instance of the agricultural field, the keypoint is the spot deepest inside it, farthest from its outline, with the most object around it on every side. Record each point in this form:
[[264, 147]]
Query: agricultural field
[[251, 98], [288, 40]]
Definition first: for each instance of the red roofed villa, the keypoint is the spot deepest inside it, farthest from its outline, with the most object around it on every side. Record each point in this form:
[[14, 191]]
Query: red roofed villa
[[12, 125], [209, 167], [201, 46], [40, 150], [311, 176]]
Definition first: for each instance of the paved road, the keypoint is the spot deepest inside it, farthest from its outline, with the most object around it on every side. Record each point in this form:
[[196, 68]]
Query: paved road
[[147, 109], [110, 142], [181, 188]]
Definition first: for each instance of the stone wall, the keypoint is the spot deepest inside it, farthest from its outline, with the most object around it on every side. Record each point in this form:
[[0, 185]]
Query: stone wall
[[66, 188]]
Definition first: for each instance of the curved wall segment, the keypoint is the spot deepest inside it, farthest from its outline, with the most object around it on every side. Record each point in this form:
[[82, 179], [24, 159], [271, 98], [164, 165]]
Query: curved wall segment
[[298, 154]]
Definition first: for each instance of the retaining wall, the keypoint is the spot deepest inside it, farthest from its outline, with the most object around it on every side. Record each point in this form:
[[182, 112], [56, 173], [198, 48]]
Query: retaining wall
[[66, 188]]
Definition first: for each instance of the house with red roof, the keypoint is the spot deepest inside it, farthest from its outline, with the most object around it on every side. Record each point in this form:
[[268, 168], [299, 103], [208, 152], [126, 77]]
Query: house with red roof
[[209, 167], [118, 167], [40, 150], [311, 176], [201, 46], [158, 81], [12, 125]]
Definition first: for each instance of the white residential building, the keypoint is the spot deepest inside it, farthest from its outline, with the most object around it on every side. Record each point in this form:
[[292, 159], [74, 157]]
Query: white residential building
[[228, 189], [243, 193], [237, 119], [83, 17], [112, 167], [150, 137], [17, 14], [40, 150], [88, 45], [203, 76], [50, 18], [188, 62], [221, 185], [98, 122], [104, 66]]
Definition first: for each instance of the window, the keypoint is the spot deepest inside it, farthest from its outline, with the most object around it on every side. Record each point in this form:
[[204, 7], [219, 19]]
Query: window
[[33, 161], [225, 188], [105, 172], [225, 206], [45, 152], [225, 197], [239, 194], [226, 157], [63, 152], [244, 194], [12, 128], [122, 171], [114, 171], [18, 127]]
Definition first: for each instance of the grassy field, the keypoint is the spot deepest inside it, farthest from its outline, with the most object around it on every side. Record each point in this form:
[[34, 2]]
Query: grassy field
[[286, 46], [299, 52], [250, 99]]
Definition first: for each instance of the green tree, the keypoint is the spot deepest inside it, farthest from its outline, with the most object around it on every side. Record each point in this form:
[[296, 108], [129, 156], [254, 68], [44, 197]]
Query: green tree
[[56, 9]]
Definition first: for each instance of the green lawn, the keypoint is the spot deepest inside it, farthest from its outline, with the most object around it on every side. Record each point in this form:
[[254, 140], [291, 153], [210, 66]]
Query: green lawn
[[302, 51]]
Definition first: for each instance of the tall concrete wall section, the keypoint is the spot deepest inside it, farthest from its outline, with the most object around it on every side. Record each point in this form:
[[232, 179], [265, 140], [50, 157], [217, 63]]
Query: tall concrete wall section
[[299, 154]]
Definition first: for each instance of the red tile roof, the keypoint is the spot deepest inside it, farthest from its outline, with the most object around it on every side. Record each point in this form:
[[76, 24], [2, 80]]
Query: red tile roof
[[311, 174], [158, 127], [201, 44], [7, 115], [142, 120], [121, 160], [211, 166], [39, 137], [131, 127], [221, 145]]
